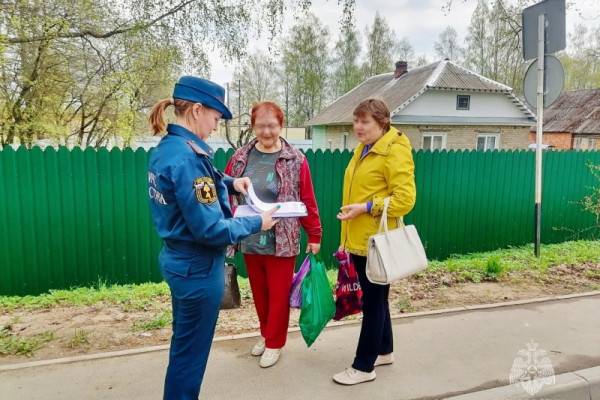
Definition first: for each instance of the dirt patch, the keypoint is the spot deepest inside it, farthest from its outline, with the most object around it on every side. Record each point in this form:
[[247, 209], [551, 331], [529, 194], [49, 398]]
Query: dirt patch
[[108, 327]]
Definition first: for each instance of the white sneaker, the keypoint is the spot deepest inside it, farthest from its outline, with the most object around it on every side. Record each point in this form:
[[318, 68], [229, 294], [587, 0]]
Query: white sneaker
[[386, 359], [270, 357], [259, 348], [351, 376]]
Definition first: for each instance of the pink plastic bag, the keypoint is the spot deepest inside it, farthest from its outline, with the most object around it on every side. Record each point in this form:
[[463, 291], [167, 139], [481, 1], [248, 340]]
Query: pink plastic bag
[[348, 293], [296, 292]]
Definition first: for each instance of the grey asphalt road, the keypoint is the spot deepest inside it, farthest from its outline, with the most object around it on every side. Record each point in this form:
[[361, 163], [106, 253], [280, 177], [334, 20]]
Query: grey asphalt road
[[436, 356]]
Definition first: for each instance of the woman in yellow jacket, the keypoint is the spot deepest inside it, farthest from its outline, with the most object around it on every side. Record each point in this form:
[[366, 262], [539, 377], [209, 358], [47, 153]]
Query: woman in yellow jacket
[[382, 166]]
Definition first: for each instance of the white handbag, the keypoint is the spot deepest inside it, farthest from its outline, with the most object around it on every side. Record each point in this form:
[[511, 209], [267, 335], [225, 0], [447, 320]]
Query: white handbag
[[395, 254]]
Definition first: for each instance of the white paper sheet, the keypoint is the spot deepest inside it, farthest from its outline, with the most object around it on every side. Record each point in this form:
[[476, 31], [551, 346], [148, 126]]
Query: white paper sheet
[[255, 206]]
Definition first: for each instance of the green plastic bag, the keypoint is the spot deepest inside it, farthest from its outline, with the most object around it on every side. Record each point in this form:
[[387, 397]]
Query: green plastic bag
[[318, 306]]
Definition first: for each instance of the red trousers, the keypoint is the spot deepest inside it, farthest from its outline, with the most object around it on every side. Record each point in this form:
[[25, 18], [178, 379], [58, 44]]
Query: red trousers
[[271, 282]]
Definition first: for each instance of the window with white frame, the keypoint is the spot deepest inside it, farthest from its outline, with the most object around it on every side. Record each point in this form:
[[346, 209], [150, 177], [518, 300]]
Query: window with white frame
[[584, 143], [487, 142], [434, 141]]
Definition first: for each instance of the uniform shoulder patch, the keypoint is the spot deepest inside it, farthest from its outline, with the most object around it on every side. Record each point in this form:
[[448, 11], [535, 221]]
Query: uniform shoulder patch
[[206, 191]]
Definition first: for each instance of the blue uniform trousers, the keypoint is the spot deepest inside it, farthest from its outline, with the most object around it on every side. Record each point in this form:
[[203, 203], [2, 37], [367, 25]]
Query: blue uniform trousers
[[196, 300]]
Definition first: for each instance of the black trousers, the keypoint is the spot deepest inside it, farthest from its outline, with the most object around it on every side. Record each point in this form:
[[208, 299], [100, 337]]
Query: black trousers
[[376, 336]]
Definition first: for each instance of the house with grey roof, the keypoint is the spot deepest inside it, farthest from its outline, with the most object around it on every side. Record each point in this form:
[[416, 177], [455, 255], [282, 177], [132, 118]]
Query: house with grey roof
[[439, 106]]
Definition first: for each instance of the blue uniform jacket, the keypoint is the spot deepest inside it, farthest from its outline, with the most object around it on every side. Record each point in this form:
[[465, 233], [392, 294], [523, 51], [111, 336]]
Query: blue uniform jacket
[[190, 206]]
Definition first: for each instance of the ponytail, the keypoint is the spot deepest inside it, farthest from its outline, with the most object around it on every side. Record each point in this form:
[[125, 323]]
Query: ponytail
[[157, 115]]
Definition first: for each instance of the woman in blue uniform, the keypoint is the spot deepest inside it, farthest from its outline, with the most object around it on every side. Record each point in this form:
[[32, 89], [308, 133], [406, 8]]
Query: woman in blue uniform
[[190, 208]]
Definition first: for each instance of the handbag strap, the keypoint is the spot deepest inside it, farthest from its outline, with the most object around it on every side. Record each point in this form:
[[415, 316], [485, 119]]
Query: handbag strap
[[383, 223]]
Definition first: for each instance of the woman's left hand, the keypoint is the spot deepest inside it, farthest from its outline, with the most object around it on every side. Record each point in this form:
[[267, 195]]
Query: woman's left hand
[[313, 248], [352, 211], [241, 185]]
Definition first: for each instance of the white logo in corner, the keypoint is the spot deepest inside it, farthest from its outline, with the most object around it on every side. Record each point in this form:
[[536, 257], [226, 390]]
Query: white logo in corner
[[532, 368]]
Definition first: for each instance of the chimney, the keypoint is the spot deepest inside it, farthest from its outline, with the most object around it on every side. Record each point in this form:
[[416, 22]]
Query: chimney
[[401, 69]]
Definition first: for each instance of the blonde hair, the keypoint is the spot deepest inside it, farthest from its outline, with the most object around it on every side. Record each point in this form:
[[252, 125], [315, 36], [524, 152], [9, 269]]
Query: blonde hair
[[157, 114]]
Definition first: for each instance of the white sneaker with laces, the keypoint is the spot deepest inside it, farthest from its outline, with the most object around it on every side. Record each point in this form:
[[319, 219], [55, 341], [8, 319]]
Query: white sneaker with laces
[[385, 359], [351, 376], [259, 348], [270, 357]]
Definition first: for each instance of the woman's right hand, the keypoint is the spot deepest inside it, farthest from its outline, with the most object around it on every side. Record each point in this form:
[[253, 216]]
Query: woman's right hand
[[267, 219], [352, 211]]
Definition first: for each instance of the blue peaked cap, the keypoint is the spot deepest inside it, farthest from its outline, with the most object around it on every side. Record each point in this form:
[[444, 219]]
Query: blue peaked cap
[[202, 91]]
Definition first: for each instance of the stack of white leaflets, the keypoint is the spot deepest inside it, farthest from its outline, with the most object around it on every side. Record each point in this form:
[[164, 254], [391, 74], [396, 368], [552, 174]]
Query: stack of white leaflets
[[255, 206]]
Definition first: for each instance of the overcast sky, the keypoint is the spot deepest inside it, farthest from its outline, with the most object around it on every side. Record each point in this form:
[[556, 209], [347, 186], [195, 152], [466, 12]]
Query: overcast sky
[[419, 20]]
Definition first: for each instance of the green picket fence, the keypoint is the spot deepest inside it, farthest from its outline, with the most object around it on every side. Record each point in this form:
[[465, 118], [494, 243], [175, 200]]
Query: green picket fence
[[74, 217]]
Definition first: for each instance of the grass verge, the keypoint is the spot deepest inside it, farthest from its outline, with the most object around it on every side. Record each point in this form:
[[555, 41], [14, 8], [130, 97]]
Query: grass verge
[[486, 266]]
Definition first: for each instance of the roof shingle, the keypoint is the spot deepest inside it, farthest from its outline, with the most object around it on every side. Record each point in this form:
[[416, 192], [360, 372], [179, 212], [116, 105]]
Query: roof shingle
[[576, 111]]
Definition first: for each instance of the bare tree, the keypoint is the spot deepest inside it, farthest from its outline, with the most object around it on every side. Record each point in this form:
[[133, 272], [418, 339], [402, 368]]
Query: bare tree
[[448, 45], [404, 51]]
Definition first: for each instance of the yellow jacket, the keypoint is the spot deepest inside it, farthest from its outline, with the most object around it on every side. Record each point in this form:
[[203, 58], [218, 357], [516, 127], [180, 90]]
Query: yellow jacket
[[386, 170]]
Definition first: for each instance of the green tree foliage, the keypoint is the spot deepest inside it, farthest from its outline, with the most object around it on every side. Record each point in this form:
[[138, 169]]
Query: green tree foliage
[[582, 59], [89, 70], [477, 38], [381, 42], [494, 45], [346, 55], [305, 63], [255, 79]]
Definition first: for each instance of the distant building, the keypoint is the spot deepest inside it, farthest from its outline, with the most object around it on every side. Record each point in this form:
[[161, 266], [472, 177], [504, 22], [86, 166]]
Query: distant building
[[217, 140], [439, 106], [573, 121]]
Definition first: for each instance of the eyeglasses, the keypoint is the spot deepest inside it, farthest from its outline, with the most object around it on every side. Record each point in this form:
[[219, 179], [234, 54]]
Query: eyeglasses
[[264, 127]]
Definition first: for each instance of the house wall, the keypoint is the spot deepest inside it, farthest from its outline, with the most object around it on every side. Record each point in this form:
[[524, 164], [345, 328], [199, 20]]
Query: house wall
[[560, 141], [319, 138], [332, 137], [335, 137], [595, 139], [457, 137], [465, 136], [294, 133], [443, 103]]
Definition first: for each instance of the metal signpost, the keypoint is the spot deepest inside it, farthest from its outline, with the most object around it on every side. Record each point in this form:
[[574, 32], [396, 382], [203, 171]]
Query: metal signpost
[[543, 33], [554, 79]]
